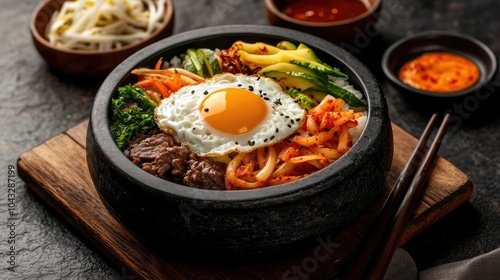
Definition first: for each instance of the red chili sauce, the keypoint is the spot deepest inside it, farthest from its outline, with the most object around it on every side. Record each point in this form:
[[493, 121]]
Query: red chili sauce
[[324, 10], [439, 72]]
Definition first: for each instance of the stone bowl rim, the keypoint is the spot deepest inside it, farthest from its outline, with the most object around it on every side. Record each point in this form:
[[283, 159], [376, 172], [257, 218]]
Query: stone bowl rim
[[344, 167]]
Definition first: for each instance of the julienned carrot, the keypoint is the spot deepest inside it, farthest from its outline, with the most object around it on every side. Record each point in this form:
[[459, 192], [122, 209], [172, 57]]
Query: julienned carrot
[[158, 64], [160, 86], [177, 78], [164, 86], [172, 84], [144, 83]]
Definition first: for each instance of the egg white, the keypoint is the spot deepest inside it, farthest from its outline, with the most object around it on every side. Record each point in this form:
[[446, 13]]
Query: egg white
[[179, 115]]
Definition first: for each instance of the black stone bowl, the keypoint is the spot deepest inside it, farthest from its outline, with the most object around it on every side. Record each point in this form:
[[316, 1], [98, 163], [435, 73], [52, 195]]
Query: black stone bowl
[[233, 224], [417, 44]]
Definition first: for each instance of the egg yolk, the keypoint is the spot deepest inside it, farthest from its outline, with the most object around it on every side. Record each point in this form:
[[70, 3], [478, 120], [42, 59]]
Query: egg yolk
[[233, 111]]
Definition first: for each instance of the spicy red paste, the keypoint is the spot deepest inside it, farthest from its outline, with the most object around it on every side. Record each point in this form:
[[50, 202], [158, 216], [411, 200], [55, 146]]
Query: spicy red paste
[[439, 72]]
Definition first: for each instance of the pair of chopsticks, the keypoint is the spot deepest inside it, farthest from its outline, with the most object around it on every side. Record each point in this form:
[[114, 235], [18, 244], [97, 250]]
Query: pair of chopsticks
[[380, 243]]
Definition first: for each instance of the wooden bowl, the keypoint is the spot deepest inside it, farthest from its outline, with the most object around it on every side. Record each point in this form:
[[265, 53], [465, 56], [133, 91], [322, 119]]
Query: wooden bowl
[[344, 31], [84, 63], [240, 224]]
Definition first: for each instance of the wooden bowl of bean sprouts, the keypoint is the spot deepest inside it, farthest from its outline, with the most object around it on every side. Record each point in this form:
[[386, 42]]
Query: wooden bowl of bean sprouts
[[89, 38]]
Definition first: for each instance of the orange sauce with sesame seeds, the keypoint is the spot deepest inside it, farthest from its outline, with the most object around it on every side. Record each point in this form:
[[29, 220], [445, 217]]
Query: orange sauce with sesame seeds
[[439, 72], [324, 10]]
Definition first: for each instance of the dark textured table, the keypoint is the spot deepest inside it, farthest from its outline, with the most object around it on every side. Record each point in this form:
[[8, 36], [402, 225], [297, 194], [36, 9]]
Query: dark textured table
[[37, 104]]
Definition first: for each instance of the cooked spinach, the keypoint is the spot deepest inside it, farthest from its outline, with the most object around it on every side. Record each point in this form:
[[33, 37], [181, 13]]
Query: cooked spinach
[[133, 112]]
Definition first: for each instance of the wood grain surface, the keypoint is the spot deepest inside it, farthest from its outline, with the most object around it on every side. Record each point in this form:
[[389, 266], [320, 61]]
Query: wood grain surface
[[57, 172]]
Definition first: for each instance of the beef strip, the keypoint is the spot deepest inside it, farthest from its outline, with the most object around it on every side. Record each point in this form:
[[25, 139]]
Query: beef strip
[[162, 164], [205, 174], [160, 155], [147, 148]]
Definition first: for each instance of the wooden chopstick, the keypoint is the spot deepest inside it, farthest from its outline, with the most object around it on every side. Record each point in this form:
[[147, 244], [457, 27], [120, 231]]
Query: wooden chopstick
[[373, 257]]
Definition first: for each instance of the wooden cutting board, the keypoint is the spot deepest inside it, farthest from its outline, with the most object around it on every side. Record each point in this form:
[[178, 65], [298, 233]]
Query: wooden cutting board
[[57, 171]]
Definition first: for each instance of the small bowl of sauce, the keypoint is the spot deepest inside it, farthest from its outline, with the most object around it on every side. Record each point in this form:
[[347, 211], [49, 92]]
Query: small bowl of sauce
[[439, 64], [336, 21], [324, 10]]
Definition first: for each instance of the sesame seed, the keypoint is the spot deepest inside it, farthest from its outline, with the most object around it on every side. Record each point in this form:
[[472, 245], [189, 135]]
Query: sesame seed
[[277, 130], [206, 92], [192, 92], [297, 119], [287, 117], [236, 143], [272, 137], [266, 98], [260, 91], [258, 77], [265, 140], [292, 121], [205, 109], [250, 88], [289, 126], [239, 85]]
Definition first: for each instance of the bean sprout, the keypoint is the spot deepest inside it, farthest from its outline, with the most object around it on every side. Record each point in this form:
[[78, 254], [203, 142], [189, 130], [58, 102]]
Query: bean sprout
[[104, 24]]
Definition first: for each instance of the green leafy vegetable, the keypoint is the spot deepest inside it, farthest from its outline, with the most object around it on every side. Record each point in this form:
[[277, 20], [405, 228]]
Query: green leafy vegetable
[[133, 112]]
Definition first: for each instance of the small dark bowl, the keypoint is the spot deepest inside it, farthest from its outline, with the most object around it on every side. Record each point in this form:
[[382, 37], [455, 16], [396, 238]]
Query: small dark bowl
[[245, 223], [344, 31], [83, 63], [415, 45]]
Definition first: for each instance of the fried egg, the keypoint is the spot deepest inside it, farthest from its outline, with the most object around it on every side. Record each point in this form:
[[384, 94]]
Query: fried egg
[[229, 113]]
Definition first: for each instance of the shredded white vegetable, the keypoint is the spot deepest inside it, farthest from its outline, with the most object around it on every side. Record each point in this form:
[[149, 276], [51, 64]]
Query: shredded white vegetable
[[104, 24]]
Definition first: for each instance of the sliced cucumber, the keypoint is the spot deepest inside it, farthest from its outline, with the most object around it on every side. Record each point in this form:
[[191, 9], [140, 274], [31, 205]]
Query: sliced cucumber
[[211, 63], [319, 68], [339, 92], [303, 81], [286, 67], [197, 62], [312, 54], [187, 63], [286, 45], [317, 95], [304, 100], [296, 80]]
